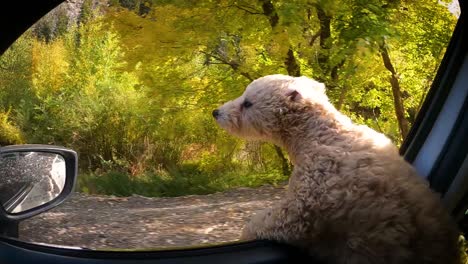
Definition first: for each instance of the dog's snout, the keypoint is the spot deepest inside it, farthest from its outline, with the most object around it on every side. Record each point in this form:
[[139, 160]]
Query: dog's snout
[[215, 113]]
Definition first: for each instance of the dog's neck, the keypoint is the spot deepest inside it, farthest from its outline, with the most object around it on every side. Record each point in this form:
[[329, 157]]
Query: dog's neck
[[323, 129]]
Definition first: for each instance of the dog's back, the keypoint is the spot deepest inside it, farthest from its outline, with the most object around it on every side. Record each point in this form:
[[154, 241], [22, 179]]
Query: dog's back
[[375, 208]]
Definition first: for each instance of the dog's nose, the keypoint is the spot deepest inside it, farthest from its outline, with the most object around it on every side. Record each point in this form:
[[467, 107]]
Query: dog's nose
[[215, 113]]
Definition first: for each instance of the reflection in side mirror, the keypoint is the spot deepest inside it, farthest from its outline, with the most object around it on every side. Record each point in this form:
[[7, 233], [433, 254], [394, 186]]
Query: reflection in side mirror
[[30, 179], [34, 179]]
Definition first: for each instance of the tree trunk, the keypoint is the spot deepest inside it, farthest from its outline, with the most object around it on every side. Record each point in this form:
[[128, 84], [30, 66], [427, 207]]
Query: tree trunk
[[343, 92], [323, 57], [270, 11], [285, 164], [290, 62], [325, 34], [292, 67], [397, 100]]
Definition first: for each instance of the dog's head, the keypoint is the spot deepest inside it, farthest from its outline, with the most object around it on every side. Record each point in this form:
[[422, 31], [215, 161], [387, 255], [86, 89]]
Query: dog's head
[[258, 113]]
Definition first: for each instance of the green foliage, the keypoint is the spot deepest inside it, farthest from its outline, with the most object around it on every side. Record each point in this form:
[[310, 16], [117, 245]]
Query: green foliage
[[9, 133], [186, 180], [131, 86], [15, 73], [463, 249]]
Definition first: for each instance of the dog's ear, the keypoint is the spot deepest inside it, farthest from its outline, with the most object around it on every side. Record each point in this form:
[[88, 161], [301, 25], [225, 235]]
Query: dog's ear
[[294, 95]]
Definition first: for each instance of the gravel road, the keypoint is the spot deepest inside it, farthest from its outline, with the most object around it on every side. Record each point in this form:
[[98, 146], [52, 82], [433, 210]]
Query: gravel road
[[139, 222]]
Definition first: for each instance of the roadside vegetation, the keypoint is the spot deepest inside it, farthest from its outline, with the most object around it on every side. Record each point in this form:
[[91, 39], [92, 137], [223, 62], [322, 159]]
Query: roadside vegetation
[[130, 85]]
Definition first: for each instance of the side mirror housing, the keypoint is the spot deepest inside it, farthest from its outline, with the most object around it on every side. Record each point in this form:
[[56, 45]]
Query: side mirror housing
[[34, 179]]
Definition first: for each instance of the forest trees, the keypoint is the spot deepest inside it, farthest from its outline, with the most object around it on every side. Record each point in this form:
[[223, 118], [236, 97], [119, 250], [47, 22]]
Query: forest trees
[[131, 84]]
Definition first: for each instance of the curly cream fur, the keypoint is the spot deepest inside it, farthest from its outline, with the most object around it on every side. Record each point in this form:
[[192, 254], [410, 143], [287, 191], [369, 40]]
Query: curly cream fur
[[351, 197]]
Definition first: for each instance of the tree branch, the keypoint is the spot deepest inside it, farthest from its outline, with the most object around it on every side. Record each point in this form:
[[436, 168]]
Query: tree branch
[[256, 12], [396, 90], [314, 37], [232, 64]]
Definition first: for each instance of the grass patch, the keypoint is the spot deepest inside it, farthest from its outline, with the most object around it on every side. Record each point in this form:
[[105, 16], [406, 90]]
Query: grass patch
[[184, 180]]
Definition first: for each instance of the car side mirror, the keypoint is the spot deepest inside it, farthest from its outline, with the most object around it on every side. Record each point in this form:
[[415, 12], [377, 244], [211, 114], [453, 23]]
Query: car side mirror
[[34, 179]]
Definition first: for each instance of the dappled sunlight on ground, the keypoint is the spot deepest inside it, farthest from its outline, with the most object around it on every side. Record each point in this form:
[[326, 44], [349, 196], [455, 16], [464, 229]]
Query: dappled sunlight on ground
[[141, 222]]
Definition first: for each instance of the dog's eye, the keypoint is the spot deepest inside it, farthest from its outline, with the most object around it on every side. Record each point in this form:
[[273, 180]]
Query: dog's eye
[[246, 104]]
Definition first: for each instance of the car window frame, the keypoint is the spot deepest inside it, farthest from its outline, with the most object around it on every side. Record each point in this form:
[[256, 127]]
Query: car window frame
[[26, 252]]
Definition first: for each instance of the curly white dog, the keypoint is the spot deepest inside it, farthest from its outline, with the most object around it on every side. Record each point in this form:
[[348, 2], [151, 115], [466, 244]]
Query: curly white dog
[[351, 197]]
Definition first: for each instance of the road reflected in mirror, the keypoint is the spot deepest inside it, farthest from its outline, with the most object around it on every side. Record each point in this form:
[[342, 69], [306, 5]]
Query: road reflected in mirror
[[30, 179]]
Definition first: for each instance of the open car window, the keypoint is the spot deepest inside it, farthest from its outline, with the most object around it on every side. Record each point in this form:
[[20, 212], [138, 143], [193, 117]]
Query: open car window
[[131, 85]]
